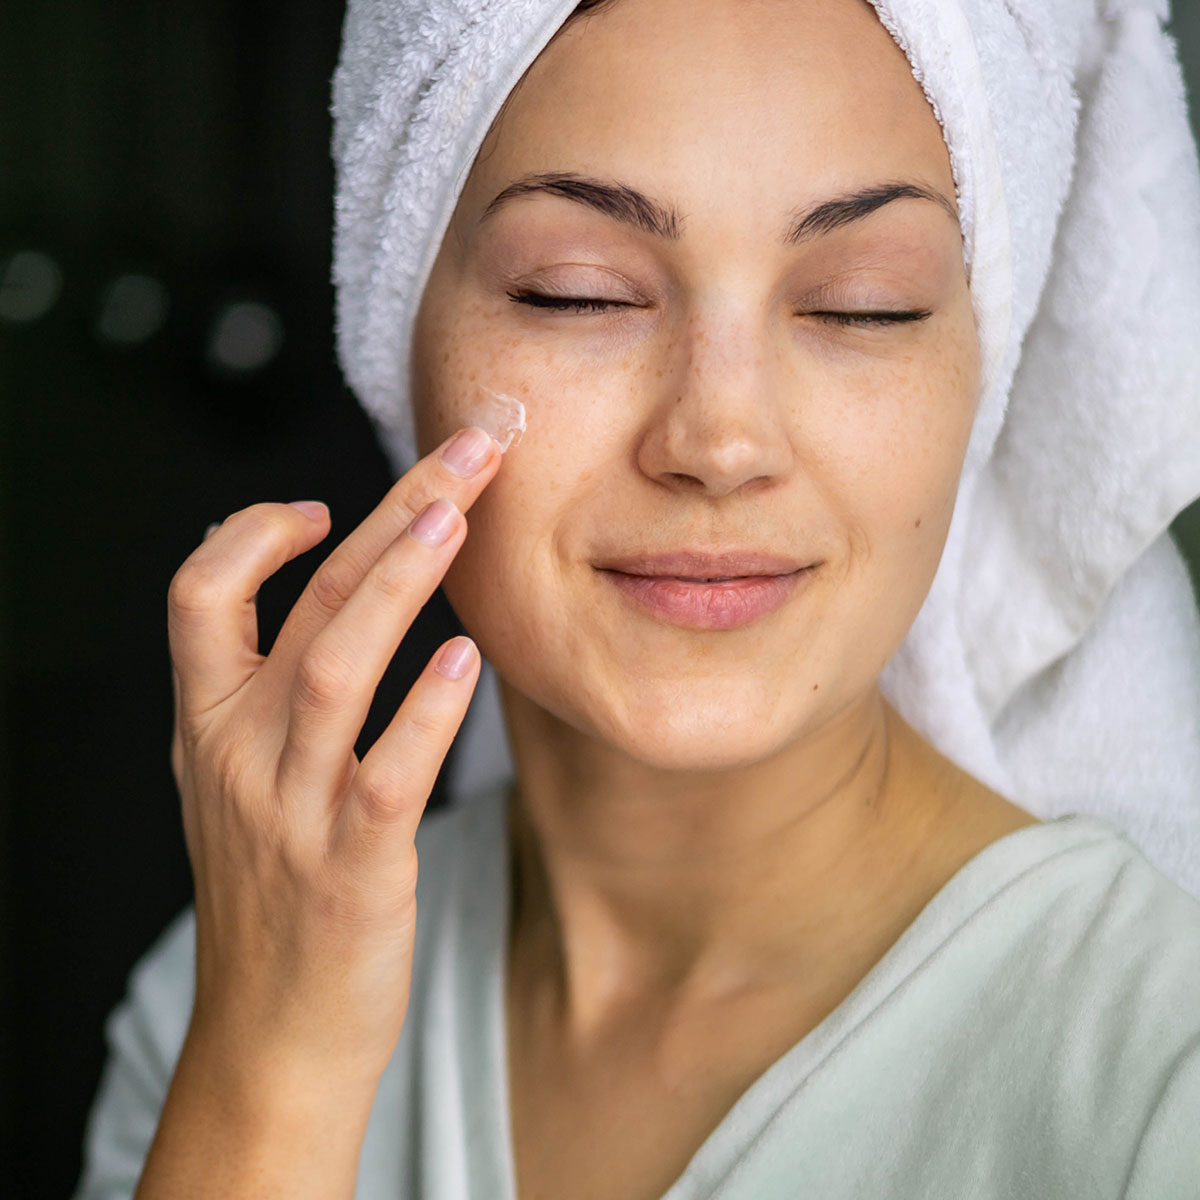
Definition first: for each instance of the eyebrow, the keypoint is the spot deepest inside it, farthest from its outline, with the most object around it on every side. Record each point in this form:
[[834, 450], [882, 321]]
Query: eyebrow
[[843, 210], [616, 200], [631, 207]]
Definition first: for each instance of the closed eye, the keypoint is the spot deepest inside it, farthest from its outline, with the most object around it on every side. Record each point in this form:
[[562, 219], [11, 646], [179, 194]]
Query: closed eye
[[886, 317], [594, 304], [566, 303]]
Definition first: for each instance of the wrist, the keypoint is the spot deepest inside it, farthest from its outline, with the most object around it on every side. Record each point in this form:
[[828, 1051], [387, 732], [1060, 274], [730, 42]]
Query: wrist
[[271, 1088], [242, 1121]]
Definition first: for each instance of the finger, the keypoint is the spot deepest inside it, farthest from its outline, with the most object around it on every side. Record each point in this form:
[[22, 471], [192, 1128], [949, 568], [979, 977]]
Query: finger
[[458, 470], [389, 790], [176, 742], [340, 669], [212, 626]]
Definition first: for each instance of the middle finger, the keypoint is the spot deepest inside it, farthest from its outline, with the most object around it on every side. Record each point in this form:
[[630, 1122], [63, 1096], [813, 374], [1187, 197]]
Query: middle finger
[[339, 671]]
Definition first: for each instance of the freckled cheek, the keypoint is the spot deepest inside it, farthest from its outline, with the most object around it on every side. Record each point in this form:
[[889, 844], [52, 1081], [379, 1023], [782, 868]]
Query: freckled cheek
[[452, 380], [576, 418], [548, 493]]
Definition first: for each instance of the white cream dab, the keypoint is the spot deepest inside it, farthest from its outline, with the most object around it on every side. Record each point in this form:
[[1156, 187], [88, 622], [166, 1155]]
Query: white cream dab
[[502, 416]]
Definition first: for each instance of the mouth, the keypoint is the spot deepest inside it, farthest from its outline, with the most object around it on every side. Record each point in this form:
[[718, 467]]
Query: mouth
[[706, 591]]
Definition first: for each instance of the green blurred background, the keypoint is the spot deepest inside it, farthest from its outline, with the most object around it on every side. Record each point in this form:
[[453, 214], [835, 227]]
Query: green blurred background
[[1185, 23], [165, 359]]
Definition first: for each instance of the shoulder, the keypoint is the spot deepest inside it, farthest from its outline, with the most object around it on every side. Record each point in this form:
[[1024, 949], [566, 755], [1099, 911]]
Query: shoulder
[[1167, 1160], [158, 1004], [1099, 986], [1127, 909], [153, 1017], [1104, 924], [145, 1035], [146, 1032], [1055, 978]]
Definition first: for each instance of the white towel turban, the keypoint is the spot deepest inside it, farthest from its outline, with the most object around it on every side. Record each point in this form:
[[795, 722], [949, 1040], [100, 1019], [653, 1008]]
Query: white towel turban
[[1057, 656]]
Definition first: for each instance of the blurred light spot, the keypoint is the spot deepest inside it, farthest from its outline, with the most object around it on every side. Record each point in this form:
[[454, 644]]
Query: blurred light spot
[[29, 286], [132, 309], [245, 336]]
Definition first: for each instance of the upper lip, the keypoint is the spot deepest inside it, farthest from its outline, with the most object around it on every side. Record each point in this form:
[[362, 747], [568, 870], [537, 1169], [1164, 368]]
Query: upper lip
[[703, 564]]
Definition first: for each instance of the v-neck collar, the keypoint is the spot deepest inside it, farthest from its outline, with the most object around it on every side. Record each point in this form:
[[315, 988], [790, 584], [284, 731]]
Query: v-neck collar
[[484, 883]]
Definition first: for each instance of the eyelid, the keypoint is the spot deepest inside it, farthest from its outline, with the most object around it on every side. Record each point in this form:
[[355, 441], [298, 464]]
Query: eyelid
[[616, 287]]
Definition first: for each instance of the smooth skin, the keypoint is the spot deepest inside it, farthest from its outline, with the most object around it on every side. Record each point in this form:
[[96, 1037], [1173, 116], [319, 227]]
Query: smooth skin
[[717, 833]]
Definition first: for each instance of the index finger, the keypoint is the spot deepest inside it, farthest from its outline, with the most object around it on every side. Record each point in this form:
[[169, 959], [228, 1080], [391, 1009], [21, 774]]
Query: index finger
[[458, 470]]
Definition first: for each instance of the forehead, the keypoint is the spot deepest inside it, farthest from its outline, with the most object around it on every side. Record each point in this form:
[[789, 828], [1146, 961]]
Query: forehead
[[748, 97]]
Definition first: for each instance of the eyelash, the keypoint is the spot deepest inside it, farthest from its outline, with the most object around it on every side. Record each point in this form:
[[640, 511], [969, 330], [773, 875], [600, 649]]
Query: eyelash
[[587, 304], [562, 303]]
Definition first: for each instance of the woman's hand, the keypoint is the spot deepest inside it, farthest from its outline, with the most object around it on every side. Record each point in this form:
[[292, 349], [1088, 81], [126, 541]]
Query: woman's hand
[[303, 856]]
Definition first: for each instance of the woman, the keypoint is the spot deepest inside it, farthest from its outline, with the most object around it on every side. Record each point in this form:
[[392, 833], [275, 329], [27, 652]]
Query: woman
[[738, 928]]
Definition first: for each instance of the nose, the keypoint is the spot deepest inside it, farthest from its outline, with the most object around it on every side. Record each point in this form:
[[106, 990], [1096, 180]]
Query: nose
[[718, 423]]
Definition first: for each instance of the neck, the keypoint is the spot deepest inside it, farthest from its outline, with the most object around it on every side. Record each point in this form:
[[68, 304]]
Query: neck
[[631, 881]]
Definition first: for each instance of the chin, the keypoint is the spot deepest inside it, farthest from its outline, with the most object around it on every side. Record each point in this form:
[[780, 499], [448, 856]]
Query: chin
[[689, 735]]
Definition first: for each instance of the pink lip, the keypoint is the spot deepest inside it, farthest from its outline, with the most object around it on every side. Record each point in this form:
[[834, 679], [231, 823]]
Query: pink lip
[[707, 591]]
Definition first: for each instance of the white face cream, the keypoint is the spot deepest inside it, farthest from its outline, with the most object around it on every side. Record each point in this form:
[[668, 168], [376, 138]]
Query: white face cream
[[502, 416]]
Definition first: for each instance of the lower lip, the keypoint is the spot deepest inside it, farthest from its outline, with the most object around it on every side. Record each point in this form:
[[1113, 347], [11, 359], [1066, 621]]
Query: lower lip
[[729, 604]]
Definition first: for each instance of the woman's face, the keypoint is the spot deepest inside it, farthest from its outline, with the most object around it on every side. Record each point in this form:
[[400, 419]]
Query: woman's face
[[677, 247]]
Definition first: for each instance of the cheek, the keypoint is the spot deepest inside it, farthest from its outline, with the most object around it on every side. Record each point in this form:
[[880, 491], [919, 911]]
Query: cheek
[[461, 354], [550, 487], [455, 365], [895, 444]]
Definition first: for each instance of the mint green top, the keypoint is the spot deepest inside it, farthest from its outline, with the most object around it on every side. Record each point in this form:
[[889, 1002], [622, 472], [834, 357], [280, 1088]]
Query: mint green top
[[1034, 1033]]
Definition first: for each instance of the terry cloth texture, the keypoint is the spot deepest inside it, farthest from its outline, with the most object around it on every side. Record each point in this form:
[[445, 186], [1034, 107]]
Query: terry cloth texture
[[1057, 656]]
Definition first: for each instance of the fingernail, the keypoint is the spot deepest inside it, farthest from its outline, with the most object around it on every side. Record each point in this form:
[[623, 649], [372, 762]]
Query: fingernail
[[211, 530], [314, 510], [467, 453], [434, 523], [455, 658]]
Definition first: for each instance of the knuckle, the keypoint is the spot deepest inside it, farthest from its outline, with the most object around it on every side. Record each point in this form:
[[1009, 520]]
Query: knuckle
[[383, 794], [267, 522], [332, 585], [392, 578], [324, 679], [426, 729], [195, 590], [234, 773]]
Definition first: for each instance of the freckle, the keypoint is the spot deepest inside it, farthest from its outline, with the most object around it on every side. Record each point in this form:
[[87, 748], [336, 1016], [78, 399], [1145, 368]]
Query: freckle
[[446, 357], [678, 399], [918, 523], [815, 686]]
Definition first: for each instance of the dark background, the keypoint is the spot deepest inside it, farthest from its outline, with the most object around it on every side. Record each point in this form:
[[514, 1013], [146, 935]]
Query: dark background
[[166, 358]]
